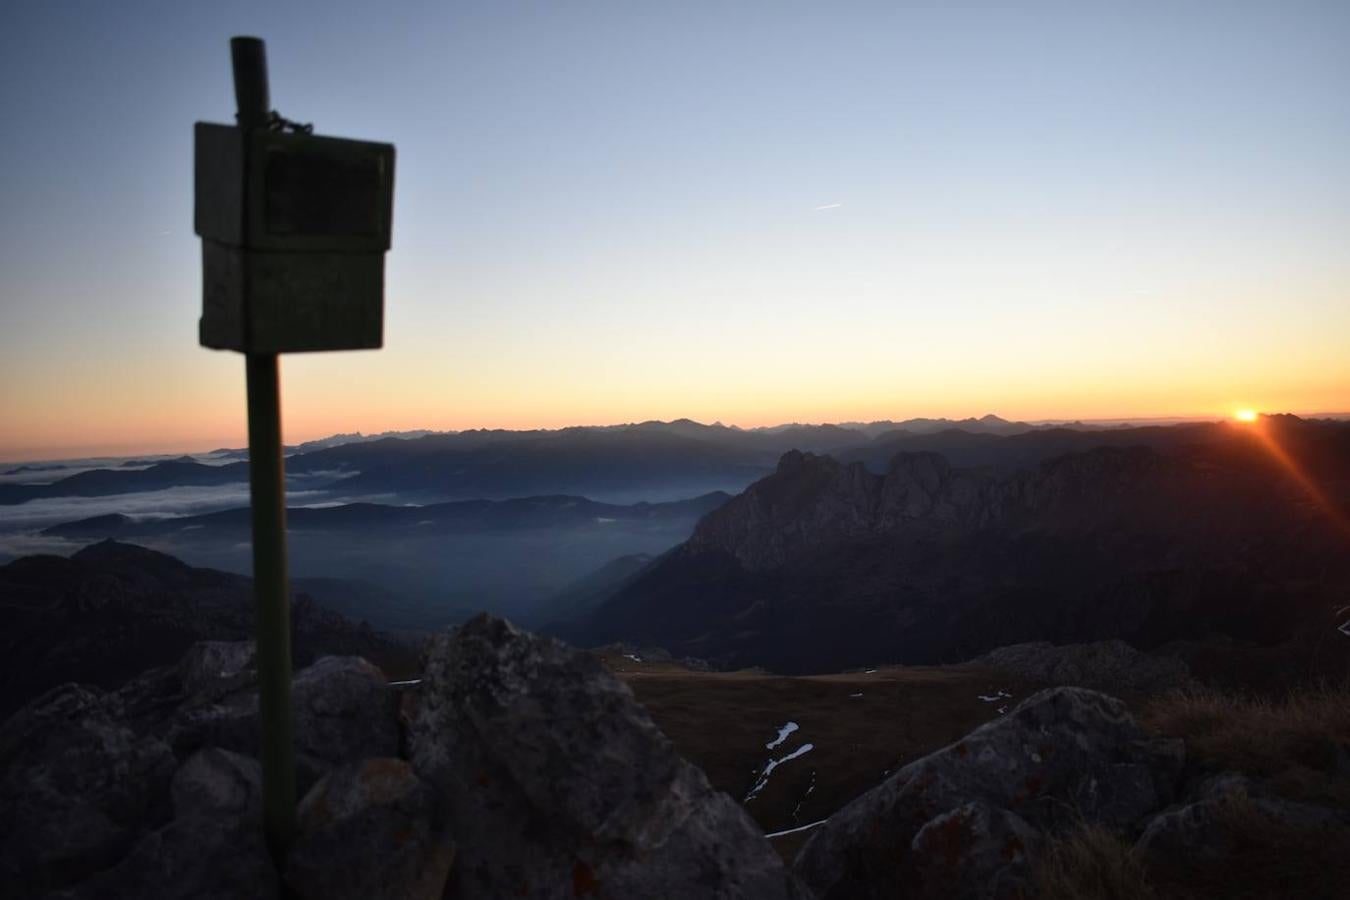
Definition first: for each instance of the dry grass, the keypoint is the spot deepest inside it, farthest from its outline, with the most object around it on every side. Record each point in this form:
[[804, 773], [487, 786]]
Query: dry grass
[[1091, 863], [862, 725], [1248, 855], [1300, 741], [1256, 856]]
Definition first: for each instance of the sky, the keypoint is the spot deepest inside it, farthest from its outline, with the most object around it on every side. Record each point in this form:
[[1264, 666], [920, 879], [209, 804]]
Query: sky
[[737, 211]]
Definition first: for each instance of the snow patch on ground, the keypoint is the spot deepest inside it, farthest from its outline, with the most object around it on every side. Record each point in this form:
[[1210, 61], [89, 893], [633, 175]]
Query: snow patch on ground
[[996, 696], [775, 834], [782, 735], [773, 764]]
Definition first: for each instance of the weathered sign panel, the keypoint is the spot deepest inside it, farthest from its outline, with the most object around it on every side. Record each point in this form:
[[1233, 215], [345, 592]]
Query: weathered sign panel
[[294, 229]]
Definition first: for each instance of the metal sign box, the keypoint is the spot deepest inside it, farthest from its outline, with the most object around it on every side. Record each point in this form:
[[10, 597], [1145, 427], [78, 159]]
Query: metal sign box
[[294, 230]]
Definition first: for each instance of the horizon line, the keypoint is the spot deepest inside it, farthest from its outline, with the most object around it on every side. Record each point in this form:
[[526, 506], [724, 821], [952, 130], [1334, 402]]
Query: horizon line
[[93, 456]]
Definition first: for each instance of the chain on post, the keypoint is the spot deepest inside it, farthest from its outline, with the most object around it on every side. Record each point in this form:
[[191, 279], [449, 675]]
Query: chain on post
[[277, 122]]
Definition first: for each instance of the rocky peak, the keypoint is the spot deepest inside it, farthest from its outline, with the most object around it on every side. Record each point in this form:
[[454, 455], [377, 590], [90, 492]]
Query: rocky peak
[[811, 501], [808, 498], [115, 556]]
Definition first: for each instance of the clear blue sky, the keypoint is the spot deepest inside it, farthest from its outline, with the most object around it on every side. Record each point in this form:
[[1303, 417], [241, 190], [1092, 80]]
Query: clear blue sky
[[746, 211]]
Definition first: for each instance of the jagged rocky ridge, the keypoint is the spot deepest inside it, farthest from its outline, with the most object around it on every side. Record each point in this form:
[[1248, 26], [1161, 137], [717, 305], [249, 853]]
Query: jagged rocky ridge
[[823, 566], [520, 767]]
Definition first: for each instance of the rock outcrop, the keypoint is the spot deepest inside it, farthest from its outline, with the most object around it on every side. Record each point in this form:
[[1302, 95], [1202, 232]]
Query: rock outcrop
[[213, 847], [1112, 666], [1202, 827], [533, 773], [558, 784], [967, 816], [812, 501], [343, 709], [153, 790], [78, 788]]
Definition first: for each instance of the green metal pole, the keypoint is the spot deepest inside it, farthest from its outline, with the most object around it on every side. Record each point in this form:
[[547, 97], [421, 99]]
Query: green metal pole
[[267, 488], [267, 482]]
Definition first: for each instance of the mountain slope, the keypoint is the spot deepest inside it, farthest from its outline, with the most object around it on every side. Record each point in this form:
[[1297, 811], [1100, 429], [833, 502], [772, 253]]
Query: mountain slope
[[113, 610], [823, 565]]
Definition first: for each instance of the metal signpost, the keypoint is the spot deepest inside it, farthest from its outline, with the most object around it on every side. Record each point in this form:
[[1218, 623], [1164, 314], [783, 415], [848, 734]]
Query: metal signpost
[[294, 229]]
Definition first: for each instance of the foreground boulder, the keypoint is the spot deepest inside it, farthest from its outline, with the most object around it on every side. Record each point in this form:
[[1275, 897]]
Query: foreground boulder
[[218, 783], [97, 811], [371, 831], [974, 851], [558, 784], [962, 822], [1209, 826], [343, 708], [344, 711], [154, 790], [78, 787]]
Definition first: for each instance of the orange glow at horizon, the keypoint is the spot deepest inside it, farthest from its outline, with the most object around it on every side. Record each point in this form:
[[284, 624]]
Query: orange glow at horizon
[[1246, 415], [123, 404]]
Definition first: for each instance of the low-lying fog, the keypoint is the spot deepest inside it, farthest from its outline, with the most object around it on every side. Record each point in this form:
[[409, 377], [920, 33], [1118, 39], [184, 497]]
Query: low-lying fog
[[394, 578]]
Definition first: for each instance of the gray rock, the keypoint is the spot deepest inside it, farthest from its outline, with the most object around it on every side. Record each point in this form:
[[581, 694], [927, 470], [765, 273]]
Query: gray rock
[[344, 711], [215, 782], [1102, 665], [371, 831], [343, 708], [78, 788], [213, 669], [974, 851], [559, 784], [1062, 756], [230, 723], [1201, 829], [208, 672], [192, 858], [213, 848]]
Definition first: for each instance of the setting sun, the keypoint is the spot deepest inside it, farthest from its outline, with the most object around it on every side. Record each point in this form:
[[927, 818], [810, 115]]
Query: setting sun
[[1245, 415]]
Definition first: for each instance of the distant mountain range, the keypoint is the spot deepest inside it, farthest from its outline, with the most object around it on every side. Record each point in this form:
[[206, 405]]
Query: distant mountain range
[[121, 480], [1186, 533], [652, 461]]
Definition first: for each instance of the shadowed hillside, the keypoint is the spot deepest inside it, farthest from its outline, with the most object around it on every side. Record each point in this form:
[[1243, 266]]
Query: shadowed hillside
[[824, 565]]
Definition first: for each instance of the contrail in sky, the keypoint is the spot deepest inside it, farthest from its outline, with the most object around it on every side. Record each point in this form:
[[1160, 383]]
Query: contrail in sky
[[828, 206]]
